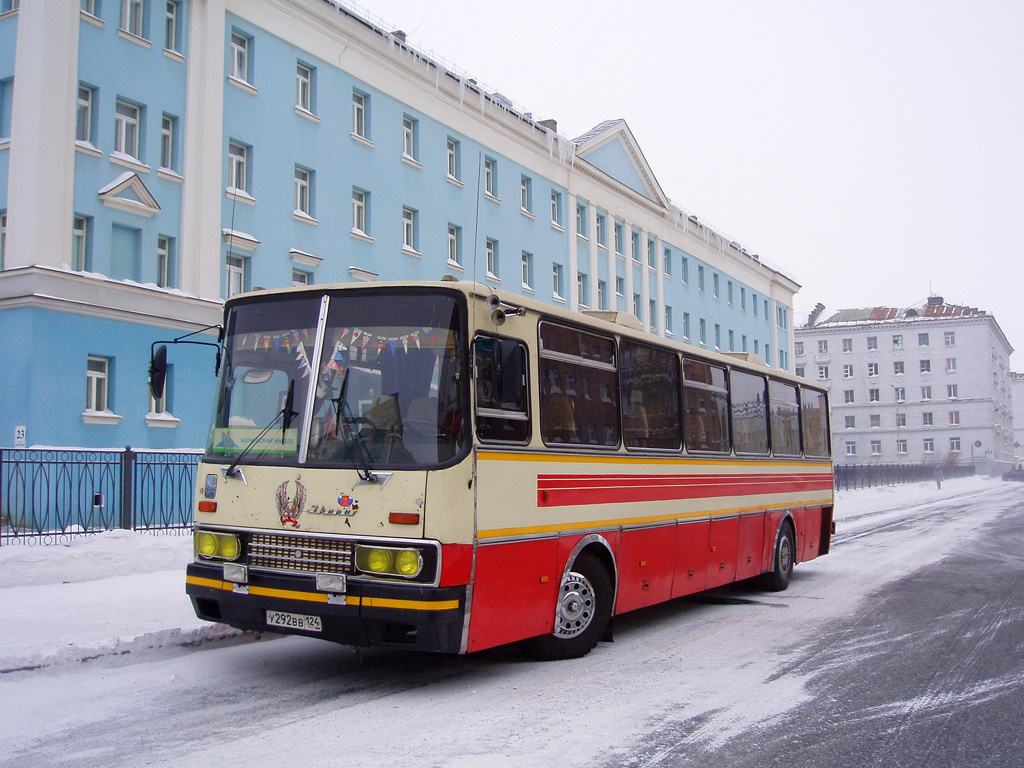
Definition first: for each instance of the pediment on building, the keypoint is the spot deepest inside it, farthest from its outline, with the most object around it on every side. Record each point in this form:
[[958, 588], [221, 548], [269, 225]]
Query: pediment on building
[[129, 193], [611, 148]]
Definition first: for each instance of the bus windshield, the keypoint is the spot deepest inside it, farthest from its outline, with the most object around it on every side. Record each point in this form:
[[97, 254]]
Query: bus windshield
[[389, 378]]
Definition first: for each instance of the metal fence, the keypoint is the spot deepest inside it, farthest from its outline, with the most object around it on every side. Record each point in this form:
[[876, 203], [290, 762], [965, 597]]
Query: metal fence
[[851, 476], [48, 496]]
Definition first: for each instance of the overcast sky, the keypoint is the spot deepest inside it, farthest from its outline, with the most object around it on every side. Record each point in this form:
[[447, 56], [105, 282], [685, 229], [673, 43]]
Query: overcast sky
[[874, 151]]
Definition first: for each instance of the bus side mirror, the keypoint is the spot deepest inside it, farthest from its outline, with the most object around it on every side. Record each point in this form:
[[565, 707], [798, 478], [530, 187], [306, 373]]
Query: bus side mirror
[[158, 371]]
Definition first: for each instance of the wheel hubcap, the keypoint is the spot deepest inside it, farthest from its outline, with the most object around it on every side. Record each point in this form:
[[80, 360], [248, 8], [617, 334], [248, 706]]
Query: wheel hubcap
[[575, 606], [785, 555]]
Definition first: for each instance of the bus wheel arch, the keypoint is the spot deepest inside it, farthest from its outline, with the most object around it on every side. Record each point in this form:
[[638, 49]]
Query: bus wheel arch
[[583, 607]]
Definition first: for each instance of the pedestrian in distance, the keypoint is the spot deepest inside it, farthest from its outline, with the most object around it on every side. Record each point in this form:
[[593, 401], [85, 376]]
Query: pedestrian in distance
[[938, 478]]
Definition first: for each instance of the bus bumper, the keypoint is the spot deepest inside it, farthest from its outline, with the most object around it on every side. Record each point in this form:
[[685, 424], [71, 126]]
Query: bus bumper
[[367, 614]]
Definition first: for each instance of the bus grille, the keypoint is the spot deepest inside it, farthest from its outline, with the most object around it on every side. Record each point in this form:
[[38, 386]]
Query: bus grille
[[299, 554]]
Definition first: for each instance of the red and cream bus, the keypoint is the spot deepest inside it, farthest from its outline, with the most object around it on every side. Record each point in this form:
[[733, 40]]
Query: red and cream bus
[[443, 467]]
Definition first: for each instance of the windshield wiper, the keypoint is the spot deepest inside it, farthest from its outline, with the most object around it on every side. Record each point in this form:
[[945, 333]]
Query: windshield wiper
[[286, 414], [343, 413]]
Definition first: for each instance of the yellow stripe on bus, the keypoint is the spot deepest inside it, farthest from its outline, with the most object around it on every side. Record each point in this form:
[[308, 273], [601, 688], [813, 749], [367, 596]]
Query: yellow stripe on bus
[[621, 459], [321, 597], [631, 521]]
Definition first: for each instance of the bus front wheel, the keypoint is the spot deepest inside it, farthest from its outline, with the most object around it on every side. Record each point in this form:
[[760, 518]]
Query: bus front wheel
[[582, 614]]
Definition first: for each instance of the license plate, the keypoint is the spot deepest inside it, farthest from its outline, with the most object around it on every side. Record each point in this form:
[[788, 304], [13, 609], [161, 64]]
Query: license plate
[[294, 621]]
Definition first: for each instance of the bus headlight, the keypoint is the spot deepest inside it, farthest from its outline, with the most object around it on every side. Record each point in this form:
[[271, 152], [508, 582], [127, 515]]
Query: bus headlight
[[217, 546], [388, 561]]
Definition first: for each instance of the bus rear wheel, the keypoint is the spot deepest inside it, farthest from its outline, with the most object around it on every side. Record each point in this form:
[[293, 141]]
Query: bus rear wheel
[[582, 614], [777, 579]]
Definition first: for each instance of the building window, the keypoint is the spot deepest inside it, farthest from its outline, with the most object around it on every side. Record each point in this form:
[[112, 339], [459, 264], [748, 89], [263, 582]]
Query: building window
[[901, 394], [954, 445], [714, 284], [872, 369], [3, 238], [88, 6], [83, 125], [950, 364], [526, 194], [601, 230], [922, 339], [304, 87], [97, 380], [753, 301], [876, 447], [847, 345], [581, 219], [409, 138], [926, 393], [171, 26], [360, 212], [926, 366], [929, 445], [491, 248], [300, 278], [872, 342], [620, 287], [686, 271], [619, 234], [798, 348], [636, 307], [490, 176], [652, 253], [634, 245], [897, 341], [847, 371], [700, 278], [168, 143], [240, 56], [874, 421], [954, 418], [822, 346], [901, 446], [454, 246], [901, 419], [409, 227], [454, 159], [927, 419], [582, 289], [851, 449], [126, 129], [556, 208], [80, 236], [898, 367], [556, 282], [851, 422], [952, 391], [132, 17], [686, 325], [238, 167], [782, 319], [800, 370], [303, 192], [822, 371], [165, 261], [667, 260], [652, 313], [158, 405], [235, 275], [874, 395], [668, 318], [848, 396], [527, 263], [950, 338], [703, 331], [360, 115]]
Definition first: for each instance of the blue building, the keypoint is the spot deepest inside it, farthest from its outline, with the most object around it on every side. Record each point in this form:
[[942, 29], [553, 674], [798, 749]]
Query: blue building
[[159, 157]]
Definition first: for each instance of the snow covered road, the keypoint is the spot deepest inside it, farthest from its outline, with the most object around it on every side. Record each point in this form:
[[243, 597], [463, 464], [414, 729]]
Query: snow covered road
[[112, 671]]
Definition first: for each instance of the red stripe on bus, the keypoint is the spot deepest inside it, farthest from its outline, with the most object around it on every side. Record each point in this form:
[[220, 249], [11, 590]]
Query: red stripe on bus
[[577, 490]]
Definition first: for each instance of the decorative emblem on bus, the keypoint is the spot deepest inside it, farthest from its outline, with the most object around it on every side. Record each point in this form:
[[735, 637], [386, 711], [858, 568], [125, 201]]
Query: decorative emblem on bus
[[290, 509], [348, 505]]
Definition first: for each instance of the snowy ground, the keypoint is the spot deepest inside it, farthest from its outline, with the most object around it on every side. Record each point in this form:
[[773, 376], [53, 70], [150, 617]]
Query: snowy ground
[[61, 606], [121, 592]]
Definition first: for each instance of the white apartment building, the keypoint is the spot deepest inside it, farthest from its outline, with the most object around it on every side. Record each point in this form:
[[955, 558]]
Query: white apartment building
[[922, 385]]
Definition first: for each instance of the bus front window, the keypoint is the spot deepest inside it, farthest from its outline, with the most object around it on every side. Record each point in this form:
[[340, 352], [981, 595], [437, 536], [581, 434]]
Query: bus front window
[[264, 382], [390, 382]]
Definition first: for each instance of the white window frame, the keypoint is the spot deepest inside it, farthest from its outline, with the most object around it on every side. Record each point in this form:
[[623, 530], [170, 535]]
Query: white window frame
[[127, 121], [303, 87], [360, 115], [490, 176], [454, 252], [950, 365], [163, 261], [872, 369], [171, 27], [876, 447], [409, 229], [168, 125], [929, 445], [238, 166], [360, 204], [527, 264], [409, 138], [83, 116], [847, 371], [132, 17], [949, 339], [79, 242], [851, 449], [491, 251], [240, 57], [235, 267], [97, 383], [526, 194], [454, 171], [954, 445], [901, 447], [557, 282], [556, 208], [303, 192]]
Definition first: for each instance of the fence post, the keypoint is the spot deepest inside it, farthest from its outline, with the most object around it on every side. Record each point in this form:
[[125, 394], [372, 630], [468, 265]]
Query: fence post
[[127, 495]]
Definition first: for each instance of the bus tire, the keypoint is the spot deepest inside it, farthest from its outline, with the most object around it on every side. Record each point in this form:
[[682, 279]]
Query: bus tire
[[777, 579], [582, 614]]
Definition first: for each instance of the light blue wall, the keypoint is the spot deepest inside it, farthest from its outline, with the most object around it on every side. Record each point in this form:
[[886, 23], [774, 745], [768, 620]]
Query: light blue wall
[[614, 161], [50, 350]]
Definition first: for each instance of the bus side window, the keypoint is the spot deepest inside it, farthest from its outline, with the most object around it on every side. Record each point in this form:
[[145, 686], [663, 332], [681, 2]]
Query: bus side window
[[814, 422], [502, 402], [649, 396], [705, 407], [785, 418], [749, 412]]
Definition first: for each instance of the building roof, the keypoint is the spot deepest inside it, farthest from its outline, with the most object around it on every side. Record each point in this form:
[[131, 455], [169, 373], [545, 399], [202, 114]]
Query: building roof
[[932, 309]]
